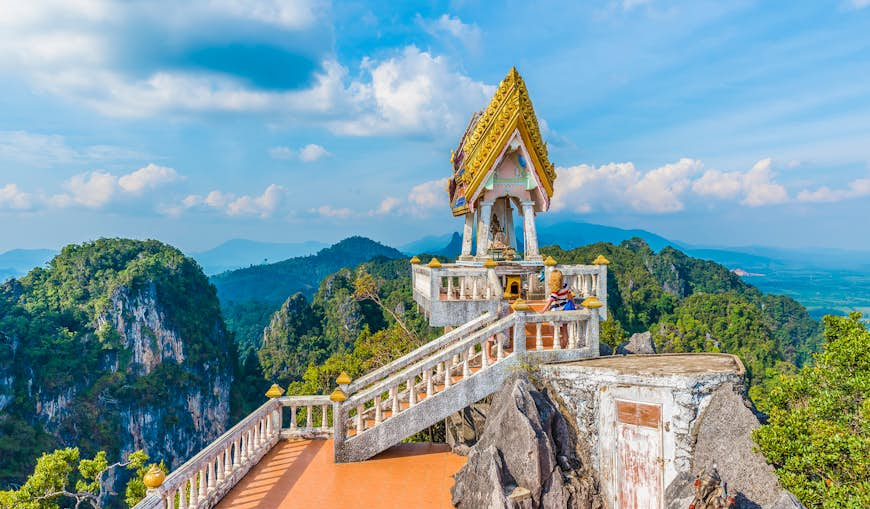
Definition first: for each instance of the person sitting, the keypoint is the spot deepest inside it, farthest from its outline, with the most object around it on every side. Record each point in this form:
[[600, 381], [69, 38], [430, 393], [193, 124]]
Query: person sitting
[[560, 295]]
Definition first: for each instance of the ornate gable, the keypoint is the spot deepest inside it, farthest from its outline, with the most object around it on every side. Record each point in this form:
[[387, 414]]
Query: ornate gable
[[487, 135]]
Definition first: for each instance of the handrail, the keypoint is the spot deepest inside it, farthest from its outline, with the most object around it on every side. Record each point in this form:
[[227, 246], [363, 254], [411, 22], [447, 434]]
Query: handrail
[[424, 350], [555, 316], [429, 361]]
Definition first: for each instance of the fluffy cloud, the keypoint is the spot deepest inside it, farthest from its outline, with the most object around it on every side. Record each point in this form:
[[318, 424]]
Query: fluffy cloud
[[616, 186], [856, 189], [281, 152], [755, 187], [429, 194], [113, 57], [97, 189], [46, 150], [264, 205], [411, 93], [621, 186], [311, 152], [13, 198]]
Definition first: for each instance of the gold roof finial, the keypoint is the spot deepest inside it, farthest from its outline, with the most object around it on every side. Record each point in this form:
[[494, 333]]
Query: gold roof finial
[[601, 260], [550, 262], [490, 263], [591, 302], [337, 396], [414, 260], [343, 378], [520, 305], [434, 263], [274, 392]]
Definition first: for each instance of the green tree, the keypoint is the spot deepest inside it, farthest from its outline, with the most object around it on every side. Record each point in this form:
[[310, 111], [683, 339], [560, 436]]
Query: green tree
[[63, 475], [818, 432]]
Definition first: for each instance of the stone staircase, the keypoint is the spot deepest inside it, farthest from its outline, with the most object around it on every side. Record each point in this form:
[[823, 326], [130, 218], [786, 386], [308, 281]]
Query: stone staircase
[[452, 372]]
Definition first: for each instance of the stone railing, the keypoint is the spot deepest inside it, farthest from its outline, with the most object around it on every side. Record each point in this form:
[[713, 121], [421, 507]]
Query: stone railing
[[587, 281], [401, 363], [455, 294], [453, 377], [202, 481]]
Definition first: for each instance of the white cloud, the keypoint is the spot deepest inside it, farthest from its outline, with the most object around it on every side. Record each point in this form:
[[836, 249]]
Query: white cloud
[[615, 186], [97, 189], [265, 205], [429, 194], [856, 189], [35, 149], [329, 211], [148, 178], [388, 205], [11, 197], [293, 14], [311, 152], [755, 187], [468, 34], [858, 4]]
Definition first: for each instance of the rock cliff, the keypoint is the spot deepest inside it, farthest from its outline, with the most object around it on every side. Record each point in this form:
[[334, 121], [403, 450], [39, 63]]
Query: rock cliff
[[118, 345]]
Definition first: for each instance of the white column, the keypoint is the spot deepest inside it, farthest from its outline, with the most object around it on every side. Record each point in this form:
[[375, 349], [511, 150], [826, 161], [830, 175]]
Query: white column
[[509, 223], [529, 232], [485, 211], [467, 234]]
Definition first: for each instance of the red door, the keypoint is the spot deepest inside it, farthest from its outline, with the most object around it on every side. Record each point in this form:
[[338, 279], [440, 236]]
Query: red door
[[639, 453]]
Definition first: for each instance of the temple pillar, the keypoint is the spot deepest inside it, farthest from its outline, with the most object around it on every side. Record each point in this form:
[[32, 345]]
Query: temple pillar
[[484, 217], [529, 232], [467, 234], [509, 224]]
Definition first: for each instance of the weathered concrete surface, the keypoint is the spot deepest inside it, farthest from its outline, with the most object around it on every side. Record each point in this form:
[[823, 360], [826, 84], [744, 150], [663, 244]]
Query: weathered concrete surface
[[526, 457], [682, 385], [723, 434], [638, 343]]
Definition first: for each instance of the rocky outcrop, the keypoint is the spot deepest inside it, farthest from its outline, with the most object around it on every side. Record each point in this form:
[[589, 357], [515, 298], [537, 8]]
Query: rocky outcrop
[[464, 428], [638, 343], [526, 457], [723, 439]]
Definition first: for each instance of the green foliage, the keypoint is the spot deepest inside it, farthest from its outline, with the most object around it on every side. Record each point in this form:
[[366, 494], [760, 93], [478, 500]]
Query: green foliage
[[818, 432], [58, 344], [61, 477], [611, 333]]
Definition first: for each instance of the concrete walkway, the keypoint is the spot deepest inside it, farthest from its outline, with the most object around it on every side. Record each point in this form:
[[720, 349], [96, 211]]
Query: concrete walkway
[[302, 474]]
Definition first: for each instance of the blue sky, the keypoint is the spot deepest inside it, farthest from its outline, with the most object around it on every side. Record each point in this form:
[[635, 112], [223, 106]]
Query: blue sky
[[713, 123]]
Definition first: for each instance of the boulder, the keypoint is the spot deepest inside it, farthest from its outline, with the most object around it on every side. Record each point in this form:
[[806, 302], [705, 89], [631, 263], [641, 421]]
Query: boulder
[[526, 457], [463, 429], [639, 342], [724, 440]]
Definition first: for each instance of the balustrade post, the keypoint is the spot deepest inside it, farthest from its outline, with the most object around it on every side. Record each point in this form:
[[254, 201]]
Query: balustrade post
[[557, 335], [183, 496], [220, 466], [212, 469], [394, 393], [412, 392], [379, 414], [237, 453], [430, 385], [203, 487], [449, 287], [292, 416], [308, 410], [520, 332], [499, 349], [592, 337], [448, 377], [572, 335], [539, 337], [359, 419], [324, 422], [194, 496], [466, 368], [484, 354]]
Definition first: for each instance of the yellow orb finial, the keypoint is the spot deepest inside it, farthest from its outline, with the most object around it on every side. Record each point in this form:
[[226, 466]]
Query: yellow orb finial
[[550, 262], [337, 396], [601, 260], [414, 260], [434, 263], [490, 263], [591, 303], [520, 305], [153, 478], [343, 378], [275, 391]]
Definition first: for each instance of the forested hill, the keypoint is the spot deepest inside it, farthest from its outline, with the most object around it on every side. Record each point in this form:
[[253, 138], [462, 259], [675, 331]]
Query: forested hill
[[272, 283], [696, 305], [249, 296], [116, 345]]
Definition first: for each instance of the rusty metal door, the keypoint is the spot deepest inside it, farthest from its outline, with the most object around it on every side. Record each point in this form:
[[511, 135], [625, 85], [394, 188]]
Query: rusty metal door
[[639, 453]]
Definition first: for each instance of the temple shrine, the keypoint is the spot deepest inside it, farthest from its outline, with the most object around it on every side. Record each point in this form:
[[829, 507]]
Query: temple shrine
[[345, 449]]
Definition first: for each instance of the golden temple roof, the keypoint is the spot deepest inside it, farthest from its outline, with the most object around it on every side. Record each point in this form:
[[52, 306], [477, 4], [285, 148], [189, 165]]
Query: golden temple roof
[[486, 136]]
